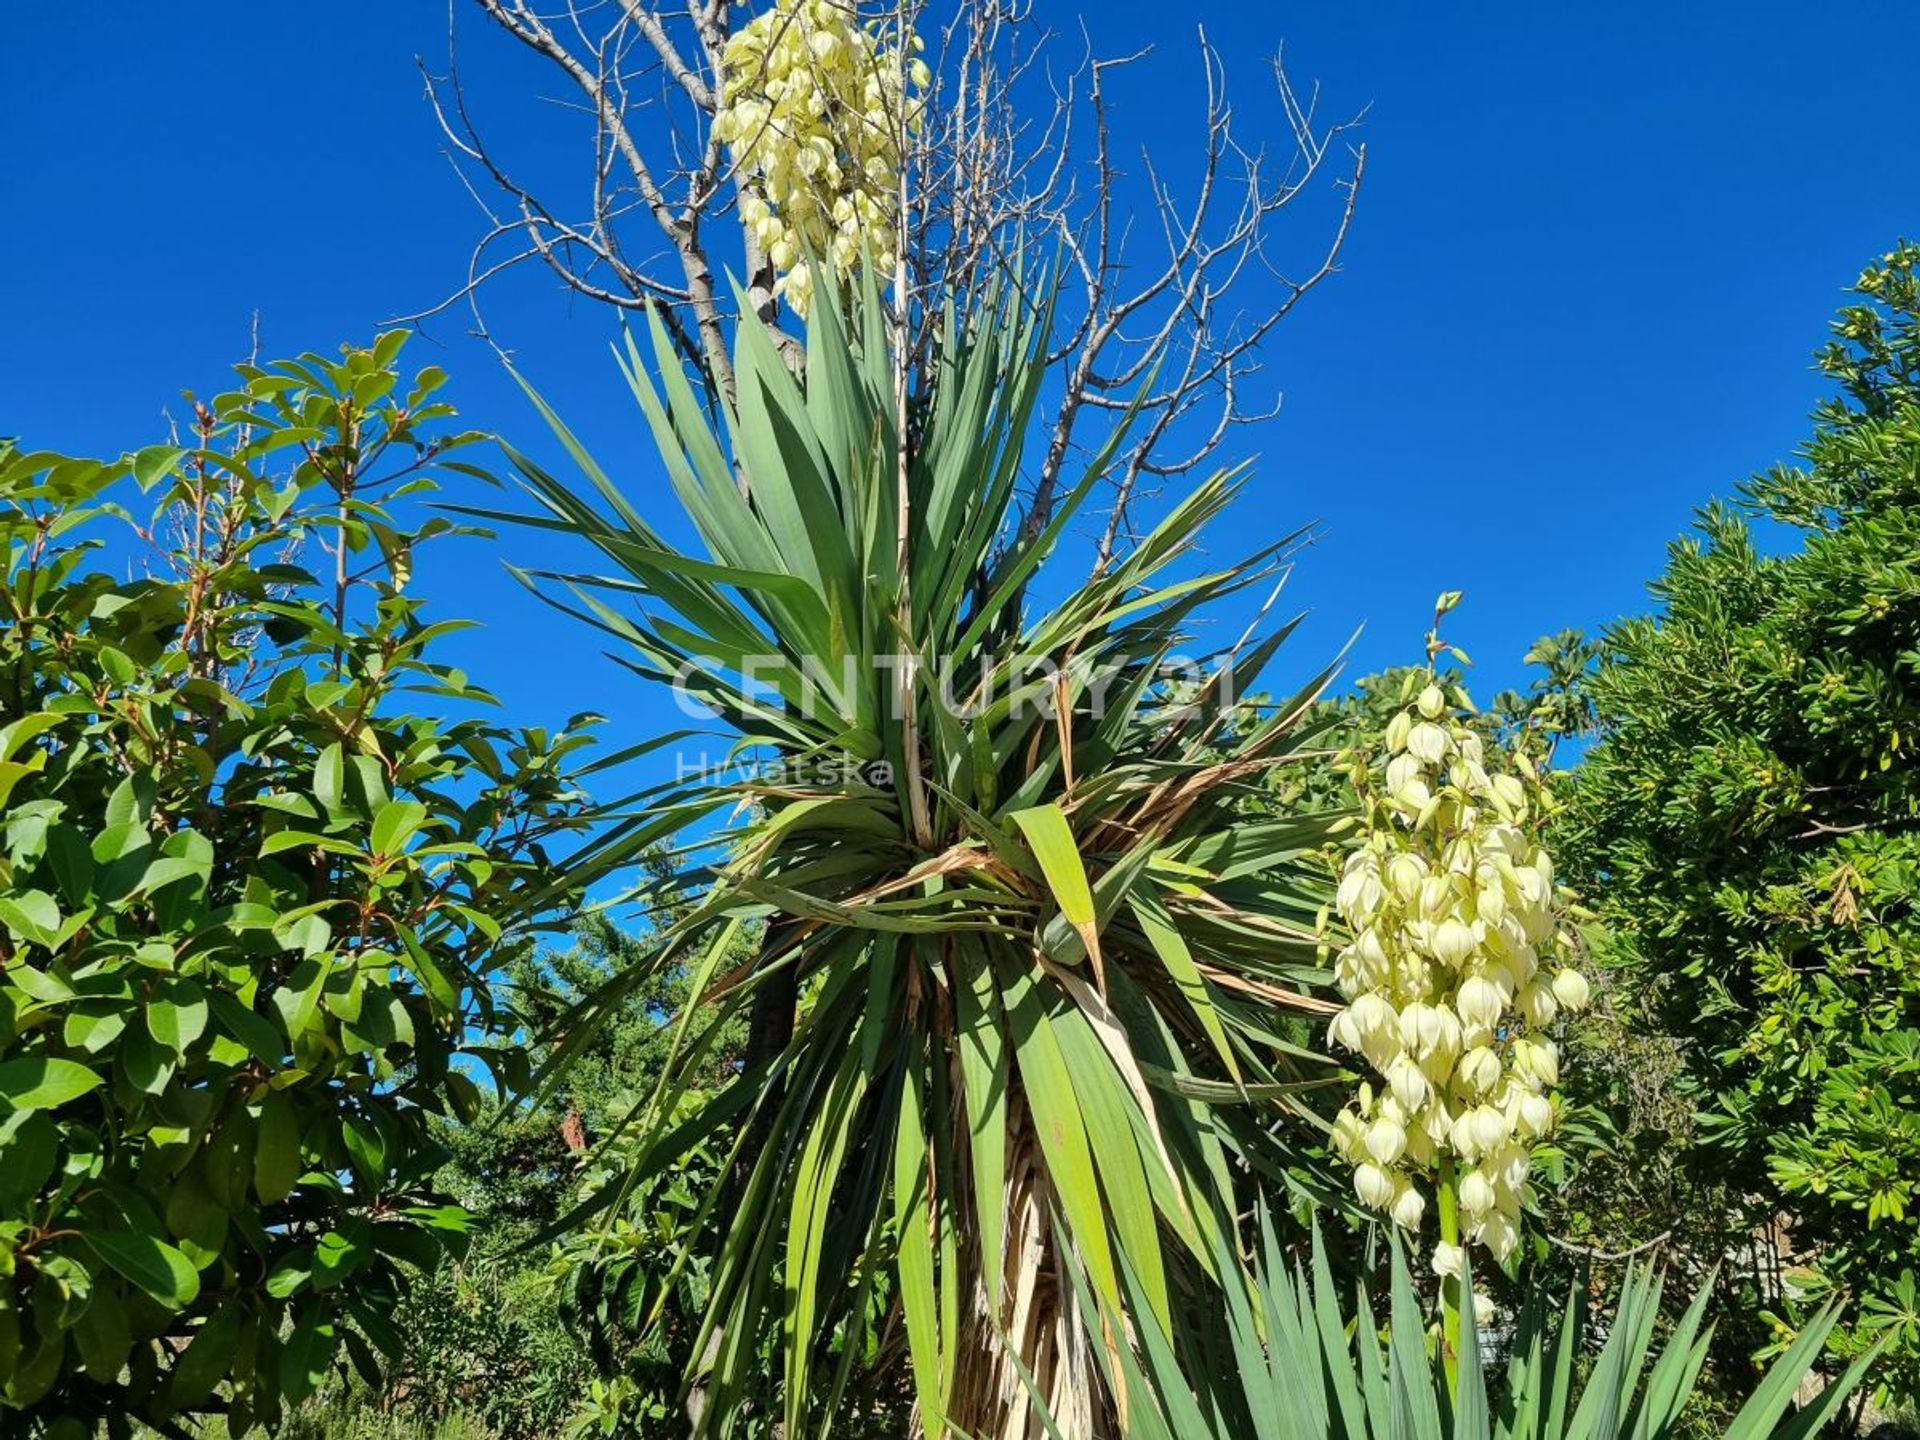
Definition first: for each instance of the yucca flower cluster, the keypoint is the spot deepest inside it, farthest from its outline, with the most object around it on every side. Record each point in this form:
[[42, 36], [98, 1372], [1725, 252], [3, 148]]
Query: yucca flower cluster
[[1459, 961], [816, 104]]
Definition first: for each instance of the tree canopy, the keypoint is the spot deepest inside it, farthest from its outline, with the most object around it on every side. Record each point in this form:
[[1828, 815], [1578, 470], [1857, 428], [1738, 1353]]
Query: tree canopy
[[1747, 822]]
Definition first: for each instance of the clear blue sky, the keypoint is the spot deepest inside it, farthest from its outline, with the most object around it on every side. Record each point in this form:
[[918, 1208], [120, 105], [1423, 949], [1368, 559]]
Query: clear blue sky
[[1596, 247]]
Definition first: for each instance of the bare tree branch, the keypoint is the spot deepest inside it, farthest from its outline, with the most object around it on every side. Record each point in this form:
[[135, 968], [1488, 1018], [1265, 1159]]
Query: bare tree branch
[[1167, 323]]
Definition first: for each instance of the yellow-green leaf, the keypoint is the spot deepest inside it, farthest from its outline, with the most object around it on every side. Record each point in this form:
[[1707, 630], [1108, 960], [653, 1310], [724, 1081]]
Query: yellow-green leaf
[[1051, 839]]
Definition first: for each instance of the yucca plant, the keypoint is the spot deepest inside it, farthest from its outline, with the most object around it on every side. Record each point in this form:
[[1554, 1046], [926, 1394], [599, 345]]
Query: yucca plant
[[1020, 939], [1279, 1360]]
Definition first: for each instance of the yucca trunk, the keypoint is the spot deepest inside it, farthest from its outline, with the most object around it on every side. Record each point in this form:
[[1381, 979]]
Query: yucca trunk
[[1034, 1322]]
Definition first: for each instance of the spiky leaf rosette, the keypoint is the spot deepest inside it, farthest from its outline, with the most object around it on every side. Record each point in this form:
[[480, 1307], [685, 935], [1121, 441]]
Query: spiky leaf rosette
[[1287, 1362], [1000, 855]]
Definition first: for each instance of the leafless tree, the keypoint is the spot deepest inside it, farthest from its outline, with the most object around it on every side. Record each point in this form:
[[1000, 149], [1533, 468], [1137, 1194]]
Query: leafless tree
[[1166, 296]]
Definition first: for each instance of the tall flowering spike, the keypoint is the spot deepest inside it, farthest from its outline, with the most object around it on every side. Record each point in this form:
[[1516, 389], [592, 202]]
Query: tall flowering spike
[[1460, 958], [815, 104]]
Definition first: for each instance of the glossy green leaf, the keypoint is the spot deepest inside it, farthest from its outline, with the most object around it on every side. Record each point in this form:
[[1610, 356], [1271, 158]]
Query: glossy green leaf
[[39, 1083], [152, 1264]]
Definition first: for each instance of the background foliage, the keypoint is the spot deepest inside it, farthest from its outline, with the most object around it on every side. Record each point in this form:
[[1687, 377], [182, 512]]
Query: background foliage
[[1747, 824], [252, 902]]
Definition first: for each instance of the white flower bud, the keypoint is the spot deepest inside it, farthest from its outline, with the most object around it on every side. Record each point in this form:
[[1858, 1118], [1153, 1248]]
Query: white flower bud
[[1475, 1193], [1479, 1070], [1404, 874], [1448, 1260], [1537, 1058], [1452, 942], [1489, 1128], [1478, 1001], [1499, 1234], [1432, 703], [1536, 1004], [1408, 1207], [1386, 1140], [1570, 988], [1510, 794], [1397, 729], [1534, 1114], [1373, 1185], [1428, 743], [1483, 1311]]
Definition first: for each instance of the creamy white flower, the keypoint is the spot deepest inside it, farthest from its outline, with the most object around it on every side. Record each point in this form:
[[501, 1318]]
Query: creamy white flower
[[1428, 743], [1448, 1260], [1409, 1083], [1536, 1004], [1371, 951], [1386, 1140], [1523, 961], [1499, 1233], [1478, 1001], [1373, 1185], [1453, 942], [1513, 1164], [1360, 891], [1570, 988], [1343, 1031], [1539, 1059], [1347, 1130], [1534, 1114], [1489, 1128], [1397, 729], [1408, 1207], [1490, 900], [1405, 871], [1479, 1070], [1475, 1193]]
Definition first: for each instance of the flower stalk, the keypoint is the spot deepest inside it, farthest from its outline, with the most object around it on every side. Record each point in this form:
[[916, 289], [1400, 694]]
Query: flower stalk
[[1461, 959]]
